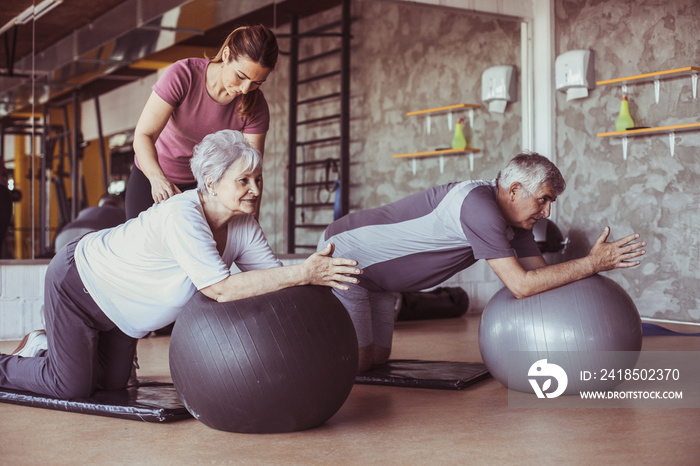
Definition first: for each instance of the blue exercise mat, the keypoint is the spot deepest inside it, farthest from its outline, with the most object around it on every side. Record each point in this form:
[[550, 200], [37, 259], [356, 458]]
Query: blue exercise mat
[[653, 329]]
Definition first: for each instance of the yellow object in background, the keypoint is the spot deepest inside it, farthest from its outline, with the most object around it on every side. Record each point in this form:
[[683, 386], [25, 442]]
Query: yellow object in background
[[624, 120], [458, 140]]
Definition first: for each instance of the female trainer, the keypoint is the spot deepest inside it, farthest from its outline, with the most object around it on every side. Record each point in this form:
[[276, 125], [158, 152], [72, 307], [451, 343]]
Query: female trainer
[[193, 98]]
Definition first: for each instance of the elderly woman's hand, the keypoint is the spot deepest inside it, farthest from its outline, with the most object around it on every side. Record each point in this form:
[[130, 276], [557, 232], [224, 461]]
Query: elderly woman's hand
[[322, 268]]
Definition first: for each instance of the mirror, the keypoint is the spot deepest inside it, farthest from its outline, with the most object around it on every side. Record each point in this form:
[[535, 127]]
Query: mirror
[[11, 194], [406, 56]]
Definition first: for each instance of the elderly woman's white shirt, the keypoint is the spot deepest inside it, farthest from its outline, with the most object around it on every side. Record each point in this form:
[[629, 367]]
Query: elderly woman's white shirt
[[143, 272]]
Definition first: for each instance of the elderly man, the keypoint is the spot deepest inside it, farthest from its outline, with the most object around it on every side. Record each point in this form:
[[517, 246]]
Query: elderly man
[[422, 240]]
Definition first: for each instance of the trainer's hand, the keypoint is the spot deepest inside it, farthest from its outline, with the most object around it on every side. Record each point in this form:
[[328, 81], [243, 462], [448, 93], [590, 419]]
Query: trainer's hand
[[321, 268], [616, 254], [162, 189]]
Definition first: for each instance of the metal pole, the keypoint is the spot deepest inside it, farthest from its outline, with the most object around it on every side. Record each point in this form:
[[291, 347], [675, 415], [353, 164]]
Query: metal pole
[[292, 148], [103, 152], [75, 164], [345, 112], [44, 233]]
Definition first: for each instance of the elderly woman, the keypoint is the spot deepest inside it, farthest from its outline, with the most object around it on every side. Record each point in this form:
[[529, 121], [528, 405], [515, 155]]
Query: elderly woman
[[113, 286]]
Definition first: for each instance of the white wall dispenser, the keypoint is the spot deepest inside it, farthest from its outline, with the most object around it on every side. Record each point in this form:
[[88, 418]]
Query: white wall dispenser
[[498, 87], [575, 73]]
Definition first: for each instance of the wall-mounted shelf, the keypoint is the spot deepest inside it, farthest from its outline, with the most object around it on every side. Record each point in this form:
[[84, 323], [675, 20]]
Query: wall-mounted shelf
[[654, 130], [442, 109], [437, 152], [676, 72], [440, 153], [656, 77], [449, 109], [671, 130]]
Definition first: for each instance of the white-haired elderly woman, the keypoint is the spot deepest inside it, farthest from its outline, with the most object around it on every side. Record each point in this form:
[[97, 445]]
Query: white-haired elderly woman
[[111, 287]]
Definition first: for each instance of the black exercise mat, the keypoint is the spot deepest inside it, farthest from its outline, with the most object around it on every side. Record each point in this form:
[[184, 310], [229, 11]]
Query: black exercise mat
[[149, 401], [425, 374]]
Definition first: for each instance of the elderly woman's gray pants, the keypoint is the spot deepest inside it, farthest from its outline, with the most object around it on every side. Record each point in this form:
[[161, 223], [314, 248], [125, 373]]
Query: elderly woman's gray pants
[[86, 350]]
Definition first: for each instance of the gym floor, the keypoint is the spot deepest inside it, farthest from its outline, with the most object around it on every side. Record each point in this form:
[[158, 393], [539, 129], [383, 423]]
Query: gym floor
[[376, 425]]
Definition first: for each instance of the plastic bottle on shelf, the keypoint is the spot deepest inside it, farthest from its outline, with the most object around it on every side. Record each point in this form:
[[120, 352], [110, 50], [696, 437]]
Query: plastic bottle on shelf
[[624, 120], [458, 140]]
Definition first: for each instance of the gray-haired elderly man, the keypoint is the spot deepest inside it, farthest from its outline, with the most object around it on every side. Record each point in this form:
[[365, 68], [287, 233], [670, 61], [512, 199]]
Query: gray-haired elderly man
[[420, 241]]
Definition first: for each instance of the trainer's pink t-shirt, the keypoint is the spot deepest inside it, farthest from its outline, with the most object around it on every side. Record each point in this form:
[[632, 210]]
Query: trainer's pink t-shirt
[[196, 114]]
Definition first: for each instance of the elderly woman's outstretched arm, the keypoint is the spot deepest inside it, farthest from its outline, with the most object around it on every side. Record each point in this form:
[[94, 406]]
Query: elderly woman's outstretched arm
[[321, 268]]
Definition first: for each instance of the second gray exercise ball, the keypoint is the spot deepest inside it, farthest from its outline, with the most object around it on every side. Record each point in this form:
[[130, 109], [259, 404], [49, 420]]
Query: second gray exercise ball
[[585, 325]]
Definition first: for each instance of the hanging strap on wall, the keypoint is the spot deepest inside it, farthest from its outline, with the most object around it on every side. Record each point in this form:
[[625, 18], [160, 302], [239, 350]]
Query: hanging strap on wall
[[336, 205]]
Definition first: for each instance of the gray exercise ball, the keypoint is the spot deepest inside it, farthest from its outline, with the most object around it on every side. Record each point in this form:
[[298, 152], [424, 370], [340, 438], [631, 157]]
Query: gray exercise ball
[[587, 328], [279, 362]]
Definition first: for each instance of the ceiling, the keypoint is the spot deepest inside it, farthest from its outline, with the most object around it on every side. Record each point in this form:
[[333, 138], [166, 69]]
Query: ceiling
[[56, 24], [97, 45]]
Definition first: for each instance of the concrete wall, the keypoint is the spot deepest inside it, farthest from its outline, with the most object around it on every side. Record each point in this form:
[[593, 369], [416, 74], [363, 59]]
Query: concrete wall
[[21, 297], [404, 58], [651, 192]]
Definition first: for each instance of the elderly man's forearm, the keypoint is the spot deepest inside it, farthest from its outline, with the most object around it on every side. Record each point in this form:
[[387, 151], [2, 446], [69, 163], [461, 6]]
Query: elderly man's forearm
[[552, 276]]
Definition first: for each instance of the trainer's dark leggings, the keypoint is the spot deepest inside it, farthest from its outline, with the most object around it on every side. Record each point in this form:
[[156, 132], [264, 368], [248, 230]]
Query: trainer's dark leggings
[[138, 193], [86, 350]]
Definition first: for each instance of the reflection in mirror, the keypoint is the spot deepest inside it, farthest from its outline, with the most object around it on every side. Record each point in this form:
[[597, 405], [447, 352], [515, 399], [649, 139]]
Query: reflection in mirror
[[405, 57], [42, 95], [17, 138]]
